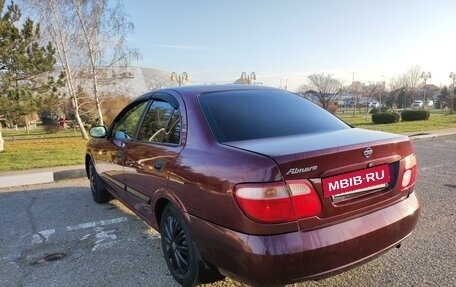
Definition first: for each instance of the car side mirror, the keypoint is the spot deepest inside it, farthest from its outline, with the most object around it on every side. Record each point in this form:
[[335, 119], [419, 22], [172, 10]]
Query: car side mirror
[[98, 132]]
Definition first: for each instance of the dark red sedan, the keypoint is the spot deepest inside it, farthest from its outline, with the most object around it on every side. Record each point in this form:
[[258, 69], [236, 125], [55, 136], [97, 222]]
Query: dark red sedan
[[255, 183]]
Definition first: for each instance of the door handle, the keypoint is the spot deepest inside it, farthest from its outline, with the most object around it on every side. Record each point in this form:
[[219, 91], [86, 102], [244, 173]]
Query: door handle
[[119, 154], [159, 165]]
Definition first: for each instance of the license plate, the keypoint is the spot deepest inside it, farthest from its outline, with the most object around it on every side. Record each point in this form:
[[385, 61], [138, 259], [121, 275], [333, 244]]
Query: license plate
[[364, 179]]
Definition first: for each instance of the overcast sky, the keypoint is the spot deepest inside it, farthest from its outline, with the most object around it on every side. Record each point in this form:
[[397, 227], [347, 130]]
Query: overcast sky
[[215, 40]]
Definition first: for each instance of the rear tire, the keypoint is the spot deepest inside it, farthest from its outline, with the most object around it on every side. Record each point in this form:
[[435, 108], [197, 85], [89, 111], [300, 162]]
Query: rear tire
[[178, 249], [99, 192]]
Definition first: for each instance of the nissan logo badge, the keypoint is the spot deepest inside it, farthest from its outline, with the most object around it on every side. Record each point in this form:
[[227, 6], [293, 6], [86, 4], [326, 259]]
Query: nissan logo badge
[[368, 152]]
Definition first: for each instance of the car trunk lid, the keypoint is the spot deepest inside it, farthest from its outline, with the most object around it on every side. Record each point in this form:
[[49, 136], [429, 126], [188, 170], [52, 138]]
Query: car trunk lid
[[333, 159]]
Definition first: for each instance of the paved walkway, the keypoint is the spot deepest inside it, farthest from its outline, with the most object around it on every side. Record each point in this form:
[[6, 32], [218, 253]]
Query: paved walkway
[[46, 175], [42, 175]]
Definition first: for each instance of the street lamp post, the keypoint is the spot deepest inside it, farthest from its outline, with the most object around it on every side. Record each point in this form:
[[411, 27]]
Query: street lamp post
[[248, 78], [452, 76], [179, 78], [425, 76], [384, 90]]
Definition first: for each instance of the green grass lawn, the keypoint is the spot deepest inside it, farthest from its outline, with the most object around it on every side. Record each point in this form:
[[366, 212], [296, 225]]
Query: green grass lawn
[[437, 120], [41, 149]]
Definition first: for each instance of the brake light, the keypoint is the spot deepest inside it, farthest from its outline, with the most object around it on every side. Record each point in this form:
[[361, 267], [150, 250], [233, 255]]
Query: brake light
[[278, 202], [409, 176]]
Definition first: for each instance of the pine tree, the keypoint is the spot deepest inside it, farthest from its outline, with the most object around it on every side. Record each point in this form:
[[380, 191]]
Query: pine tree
[[25, 65], [443, 98]]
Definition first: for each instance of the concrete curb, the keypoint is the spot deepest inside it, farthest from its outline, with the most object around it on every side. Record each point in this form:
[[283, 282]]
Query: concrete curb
[[69, 174], [28, 177]]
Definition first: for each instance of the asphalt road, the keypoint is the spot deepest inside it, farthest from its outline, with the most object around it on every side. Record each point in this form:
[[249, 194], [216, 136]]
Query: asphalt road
[[87, 244]]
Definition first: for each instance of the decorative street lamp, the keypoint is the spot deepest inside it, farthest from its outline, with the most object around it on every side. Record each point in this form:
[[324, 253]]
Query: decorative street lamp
[[425, 76], [452, 76], [179, 78], [248, 78], [286, 84]]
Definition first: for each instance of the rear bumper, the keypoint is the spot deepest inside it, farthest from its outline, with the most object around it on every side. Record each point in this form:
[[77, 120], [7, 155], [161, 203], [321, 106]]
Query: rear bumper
[[301, 255]]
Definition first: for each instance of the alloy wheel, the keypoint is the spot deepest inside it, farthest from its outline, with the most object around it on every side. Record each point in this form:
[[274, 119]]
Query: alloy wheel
[[176, 245]]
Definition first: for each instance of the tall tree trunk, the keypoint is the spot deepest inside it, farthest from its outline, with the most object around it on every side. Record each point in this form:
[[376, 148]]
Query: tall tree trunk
[[60, 47], [1, 138], [95, 93], [91, 54], [74, 101], [27, 121]]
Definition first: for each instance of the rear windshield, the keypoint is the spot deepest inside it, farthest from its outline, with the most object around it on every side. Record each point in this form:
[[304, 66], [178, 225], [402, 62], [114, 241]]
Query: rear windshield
[[255, 114]]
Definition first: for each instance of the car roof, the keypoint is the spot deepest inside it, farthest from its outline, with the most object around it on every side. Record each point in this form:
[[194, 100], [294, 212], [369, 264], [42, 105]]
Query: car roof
[[199, 89], [189, 91]]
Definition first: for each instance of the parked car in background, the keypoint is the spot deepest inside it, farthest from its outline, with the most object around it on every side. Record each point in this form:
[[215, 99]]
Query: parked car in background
[[417, 104], [243, 181], [429, 104], [374, 104]]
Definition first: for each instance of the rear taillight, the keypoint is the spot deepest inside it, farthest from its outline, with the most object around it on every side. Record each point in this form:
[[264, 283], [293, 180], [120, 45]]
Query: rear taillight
[[409, 176], [278, 202]]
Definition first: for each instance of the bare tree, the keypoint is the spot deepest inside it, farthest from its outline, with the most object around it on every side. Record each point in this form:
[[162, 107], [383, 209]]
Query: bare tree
[[374, 90], [396, 87], [412, 77], [395, 83], [356, 90], [324, 87], [57, 19], [87, 34], [104, 31], [403, 87], [410, 81]]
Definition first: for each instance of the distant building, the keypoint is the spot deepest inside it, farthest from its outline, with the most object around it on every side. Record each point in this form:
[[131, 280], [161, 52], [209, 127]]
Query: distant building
[[130, 81]]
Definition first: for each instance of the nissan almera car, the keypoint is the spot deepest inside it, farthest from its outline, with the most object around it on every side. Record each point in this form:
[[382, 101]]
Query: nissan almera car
[[255, 183]]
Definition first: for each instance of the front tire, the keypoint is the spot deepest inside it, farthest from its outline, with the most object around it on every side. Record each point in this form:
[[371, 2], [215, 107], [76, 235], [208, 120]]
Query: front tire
[[99, 192], [180, 254]]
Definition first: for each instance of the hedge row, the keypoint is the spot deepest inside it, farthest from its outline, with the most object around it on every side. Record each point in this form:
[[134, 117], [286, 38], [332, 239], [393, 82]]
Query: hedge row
[[415, 115], [407, 115], [385, 118]]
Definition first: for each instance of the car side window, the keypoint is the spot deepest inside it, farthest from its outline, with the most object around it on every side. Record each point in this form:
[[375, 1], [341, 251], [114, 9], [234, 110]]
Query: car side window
[[161, 124], [125, 126]]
